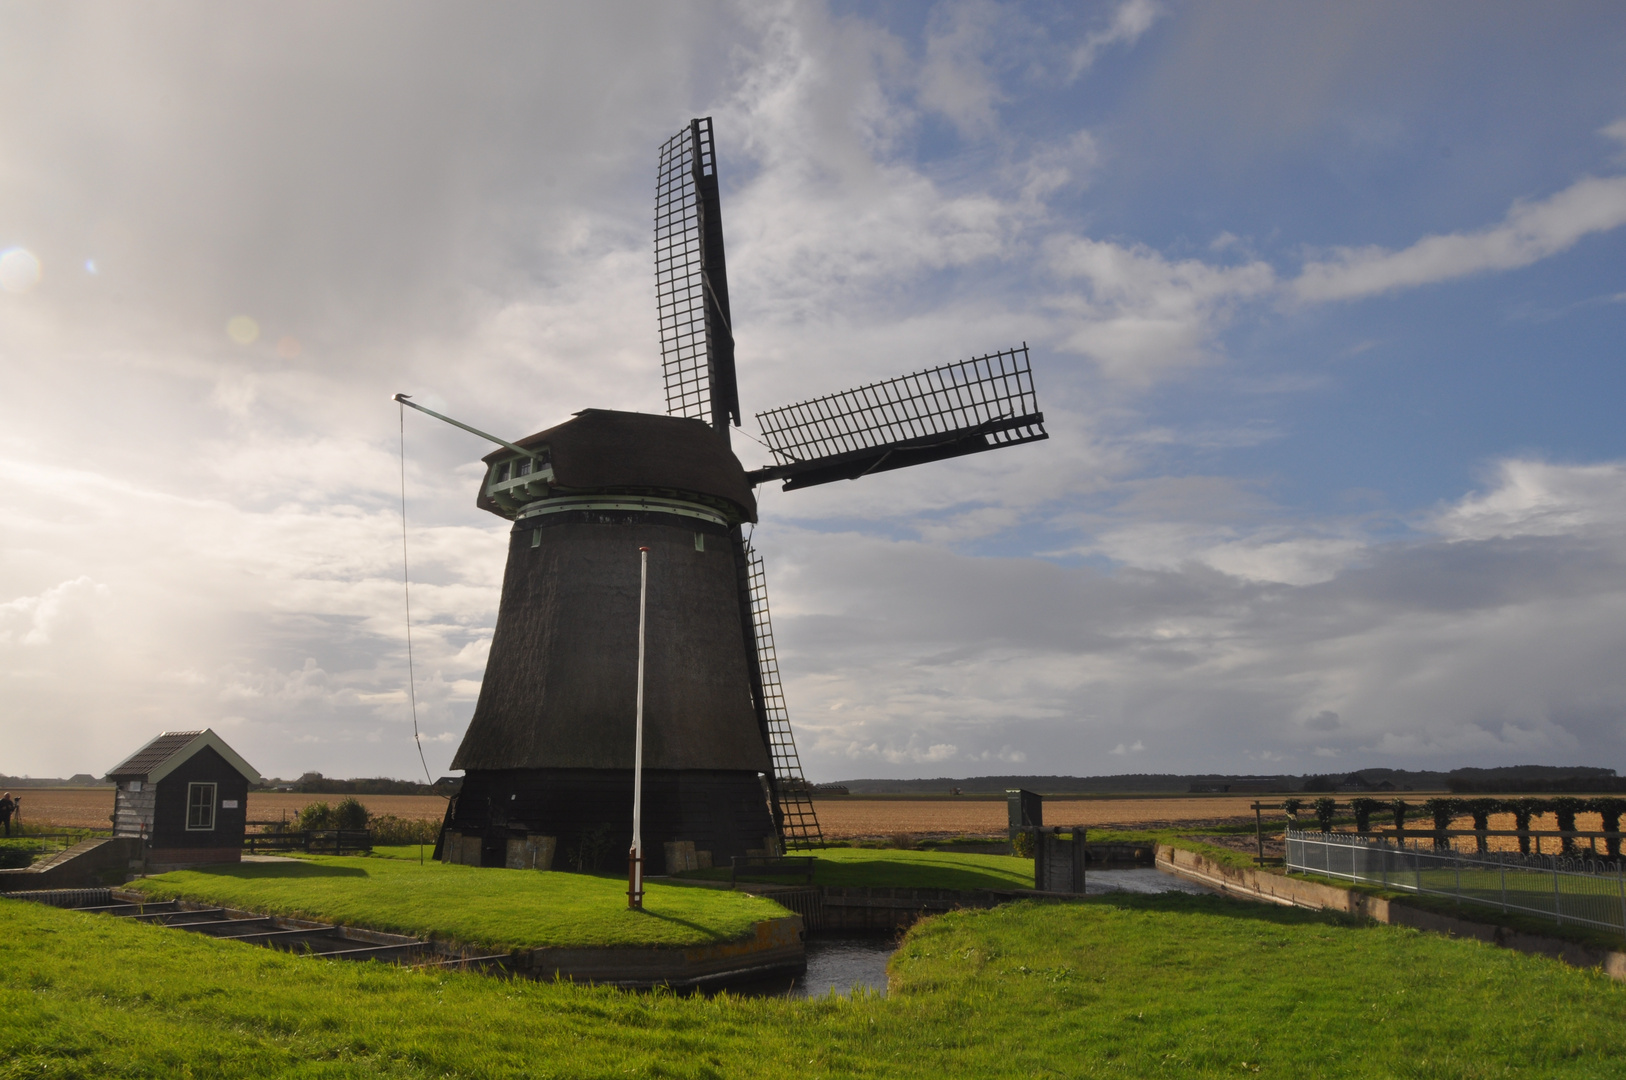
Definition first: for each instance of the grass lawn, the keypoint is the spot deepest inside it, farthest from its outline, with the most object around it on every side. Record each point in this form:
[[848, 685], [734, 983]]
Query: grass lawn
[[1114, 986], [468, 905], [18, 851], [903, 869]]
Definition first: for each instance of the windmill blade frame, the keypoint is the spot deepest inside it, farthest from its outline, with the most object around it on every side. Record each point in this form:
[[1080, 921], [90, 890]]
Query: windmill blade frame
[[691, 281], [967, 407]]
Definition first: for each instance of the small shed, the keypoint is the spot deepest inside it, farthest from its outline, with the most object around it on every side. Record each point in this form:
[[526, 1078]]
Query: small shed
[[185, 794]]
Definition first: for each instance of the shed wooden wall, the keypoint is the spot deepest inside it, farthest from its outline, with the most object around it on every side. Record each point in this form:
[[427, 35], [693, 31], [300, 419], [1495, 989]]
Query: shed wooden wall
[[132, 808], [169, 831]]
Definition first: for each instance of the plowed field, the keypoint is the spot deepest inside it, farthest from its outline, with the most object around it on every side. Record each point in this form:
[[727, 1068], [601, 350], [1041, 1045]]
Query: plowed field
[[847, 819], [842, 819], [91, 808]]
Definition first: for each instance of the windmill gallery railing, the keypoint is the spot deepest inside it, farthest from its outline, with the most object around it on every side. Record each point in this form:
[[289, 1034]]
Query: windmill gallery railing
[[1579, 891]]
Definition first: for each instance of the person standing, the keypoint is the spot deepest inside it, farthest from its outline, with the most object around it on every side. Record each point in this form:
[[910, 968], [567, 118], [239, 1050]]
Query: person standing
[[8, 807]]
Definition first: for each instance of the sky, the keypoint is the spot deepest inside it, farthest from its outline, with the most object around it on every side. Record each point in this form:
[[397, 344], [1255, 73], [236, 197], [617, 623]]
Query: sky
[[1326, 305]]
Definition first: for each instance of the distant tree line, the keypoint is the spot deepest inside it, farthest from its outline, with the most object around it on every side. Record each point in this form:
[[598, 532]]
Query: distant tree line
[[349, 813], [1442, 811], [1508, 779], [314, 783]]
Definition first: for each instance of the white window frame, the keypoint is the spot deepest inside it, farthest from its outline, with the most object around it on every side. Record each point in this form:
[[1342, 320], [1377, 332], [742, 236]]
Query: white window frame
[[193, 802]]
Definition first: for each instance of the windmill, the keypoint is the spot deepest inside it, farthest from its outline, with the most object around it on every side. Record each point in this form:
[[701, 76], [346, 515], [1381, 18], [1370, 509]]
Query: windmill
[[549, 749]]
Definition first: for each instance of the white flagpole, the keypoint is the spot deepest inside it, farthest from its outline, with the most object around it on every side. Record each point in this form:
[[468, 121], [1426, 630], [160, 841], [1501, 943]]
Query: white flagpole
[[635, 857]]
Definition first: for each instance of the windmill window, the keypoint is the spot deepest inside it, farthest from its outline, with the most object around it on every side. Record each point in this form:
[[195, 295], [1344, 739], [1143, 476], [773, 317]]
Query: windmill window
[[200, 807], [523, 468], [502, 472], [700, 541], [134, 785]]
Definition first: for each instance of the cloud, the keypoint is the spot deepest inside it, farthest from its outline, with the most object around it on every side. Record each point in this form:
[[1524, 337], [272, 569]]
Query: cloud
[[456, 205], [1131, 19], [1139, 314], [1615, 131], [1325, 720], [954, 79], [1537, 498], [1491, 634], [57, 612], [1530, 231]]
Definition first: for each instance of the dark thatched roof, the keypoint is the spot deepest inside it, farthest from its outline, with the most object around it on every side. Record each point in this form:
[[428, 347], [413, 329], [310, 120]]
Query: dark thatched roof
[[603, 450]]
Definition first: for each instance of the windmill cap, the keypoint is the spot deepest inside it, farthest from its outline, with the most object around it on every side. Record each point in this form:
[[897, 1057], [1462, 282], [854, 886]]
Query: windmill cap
[[604, 450]]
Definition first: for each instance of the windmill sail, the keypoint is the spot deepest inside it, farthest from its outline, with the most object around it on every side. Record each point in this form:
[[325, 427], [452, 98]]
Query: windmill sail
[[798, 824], [963, 408], [691, 281]]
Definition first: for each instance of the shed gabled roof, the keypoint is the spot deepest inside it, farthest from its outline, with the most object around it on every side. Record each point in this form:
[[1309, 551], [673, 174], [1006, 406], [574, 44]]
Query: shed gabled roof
[[170, 750]]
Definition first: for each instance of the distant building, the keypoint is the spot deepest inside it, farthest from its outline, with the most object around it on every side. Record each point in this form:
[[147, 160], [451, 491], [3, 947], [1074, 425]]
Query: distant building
[[185, 795]]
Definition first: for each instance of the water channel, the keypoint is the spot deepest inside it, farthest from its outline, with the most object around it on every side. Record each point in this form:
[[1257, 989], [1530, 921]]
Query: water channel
[[846, 963]]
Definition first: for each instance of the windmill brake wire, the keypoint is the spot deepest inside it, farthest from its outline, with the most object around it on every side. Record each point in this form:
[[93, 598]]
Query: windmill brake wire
[[406, 592]]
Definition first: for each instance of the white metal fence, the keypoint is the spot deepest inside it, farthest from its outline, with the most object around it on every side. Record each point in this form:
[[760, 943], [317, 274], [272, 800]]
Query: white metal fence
[[1583, 892]]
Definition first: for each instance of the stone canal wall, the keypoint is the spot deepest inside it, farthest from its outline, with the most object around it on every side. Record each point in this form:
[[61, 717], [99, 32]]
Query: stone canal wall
[[1255, 884]]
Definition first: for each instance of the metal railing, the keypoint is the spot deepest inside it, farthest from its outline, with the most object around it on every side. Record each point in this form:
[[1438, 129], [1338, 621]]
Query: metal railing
[[1585, 892]]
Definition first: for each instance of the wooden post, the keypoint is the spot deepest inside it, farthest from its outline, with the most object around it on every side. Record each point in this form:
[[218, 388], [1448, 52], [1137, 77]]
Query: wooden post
[[1259, 831], [1079, 855]]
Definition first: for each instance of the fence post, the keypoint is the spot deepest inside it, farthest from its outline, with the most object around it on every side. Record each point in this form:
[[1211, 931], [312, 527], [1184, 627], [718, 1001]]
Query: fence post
[[1504, 889], [1558, 900], [1620, 880], [1457, 863]]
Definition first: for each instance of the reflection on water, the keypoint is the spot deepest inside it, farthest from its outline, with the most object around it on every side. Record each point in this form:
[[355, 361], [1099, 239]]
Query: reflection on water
[[845, 964], [1140, 880]]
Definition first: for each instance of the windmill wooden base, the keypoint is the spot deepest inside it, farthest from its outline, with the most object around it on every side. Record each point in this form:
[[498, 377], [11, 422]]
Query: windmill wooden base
[[589, 811]]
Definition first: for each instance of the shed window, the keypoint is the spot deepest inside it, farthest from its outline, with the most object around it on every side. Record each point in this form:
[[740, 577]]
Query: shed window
[[200, 806]]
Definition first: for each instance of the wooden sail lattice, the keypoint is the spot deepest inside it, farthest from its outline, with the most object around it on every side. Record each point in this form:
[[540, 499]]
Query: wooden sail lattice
[[798, 823]]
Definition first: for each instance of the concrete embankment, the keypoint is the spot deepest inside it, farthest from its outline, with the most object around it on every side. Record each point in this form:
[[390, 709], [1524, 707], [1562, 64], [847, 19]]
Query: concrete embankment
[[775, 946], [103, 861], [1262, 885]]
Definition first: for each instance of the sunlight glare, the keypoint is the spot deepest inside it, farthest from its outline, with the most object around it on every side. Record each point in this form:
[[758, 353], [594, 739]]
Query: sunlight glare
[[242, 329], [20, 270]]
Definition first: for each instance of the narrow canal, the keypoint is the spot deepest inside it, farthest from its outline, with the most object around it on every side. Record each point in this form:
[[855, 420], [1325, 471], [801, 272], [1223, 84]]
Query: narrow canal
[[846, 963]]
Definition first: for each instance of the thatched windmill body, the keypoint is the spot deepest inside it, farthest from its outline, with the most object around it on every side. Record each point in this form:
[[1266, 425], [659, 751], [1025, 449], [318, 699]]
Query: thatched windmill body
[[549, 750]]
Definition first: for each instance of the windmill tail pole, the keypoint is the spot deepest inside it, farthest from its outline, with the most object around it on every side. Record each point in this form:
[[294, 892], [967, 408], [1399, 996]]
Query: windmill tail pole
[[635, 857], [406, 399]]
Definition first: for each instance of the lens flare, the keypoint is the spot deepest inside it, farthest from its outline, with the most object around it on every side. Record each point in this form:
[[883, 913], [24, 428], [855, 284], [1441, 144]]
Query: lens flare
[[19, 270], [242, 329], [288, 348]]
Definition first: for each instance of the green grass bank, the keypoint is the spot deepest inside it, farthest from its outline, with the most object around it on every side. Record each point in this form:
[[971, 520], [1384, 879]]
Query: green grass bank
[[492, 908], [1109, 987]]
